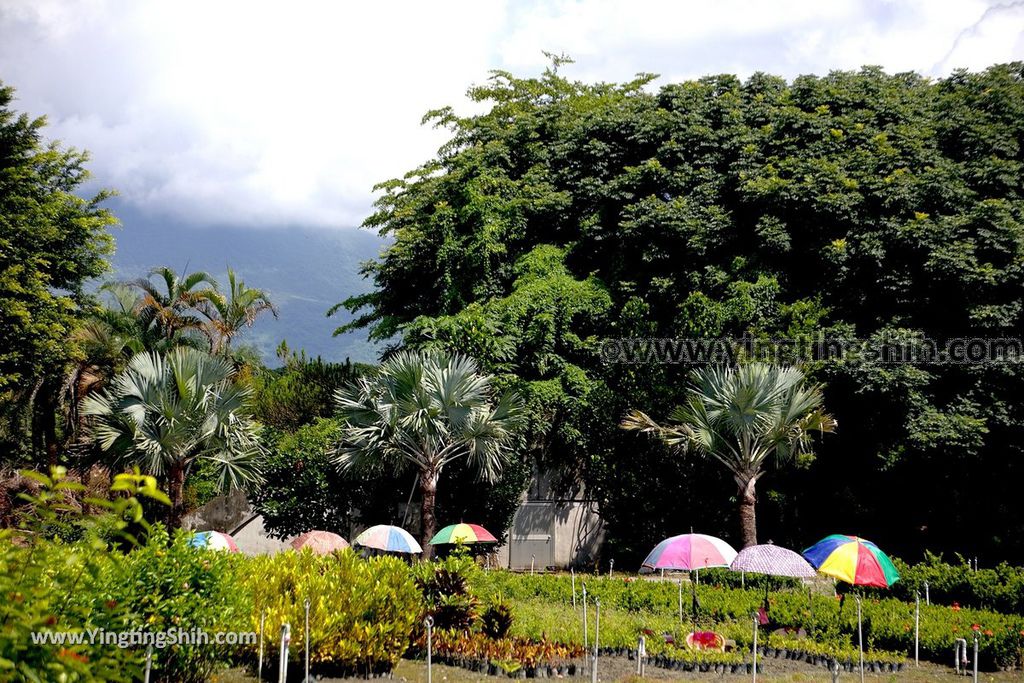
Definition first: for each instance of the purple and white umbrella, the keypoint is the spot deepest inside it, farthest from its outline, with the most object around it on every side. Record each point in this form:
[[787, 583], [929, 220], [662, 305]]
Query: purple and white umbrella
[[772, 560]]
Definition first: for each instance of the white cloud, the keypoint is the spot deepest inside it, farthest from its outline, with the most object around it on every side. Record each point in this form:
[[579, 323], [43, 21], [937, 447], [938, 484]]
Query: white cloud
[[274, 113]]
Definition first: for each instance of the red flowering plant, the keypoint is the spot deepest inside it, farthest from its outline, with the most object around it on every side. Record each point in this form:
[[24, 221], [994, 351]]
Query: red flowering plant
[[705, 640]]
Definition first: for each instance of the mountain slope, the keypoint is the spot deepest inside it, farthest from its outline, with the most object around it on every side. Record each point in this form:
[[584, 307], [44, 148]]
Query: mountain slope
[[305, 271]]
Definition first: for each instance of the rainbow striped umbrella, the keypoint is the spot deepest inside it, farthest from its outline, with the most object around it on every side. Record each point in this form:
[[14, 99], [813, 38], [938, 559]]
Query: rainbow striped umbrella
[[391, 539], [213, 540], [853, 560], [687, 552], [462, 533]]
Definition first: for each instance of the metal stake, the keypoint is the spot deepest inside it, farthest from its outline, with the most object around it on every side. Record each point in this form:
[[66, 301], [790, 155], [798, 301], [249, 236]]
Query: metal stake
[[533, 561], [755, 647], [641, 653], [927, 599], [259, 665], [917, 626], [573, 572], [611, 567], [597, 637], [149, 662], [743, 580], [282, 663], [429, 623], [586, 645], [306, 641], [975, 657]]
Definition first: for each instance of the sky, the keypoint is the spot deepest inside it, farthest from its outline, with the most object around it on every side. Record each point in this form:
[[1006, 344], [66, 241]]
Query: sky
[[276, 114]]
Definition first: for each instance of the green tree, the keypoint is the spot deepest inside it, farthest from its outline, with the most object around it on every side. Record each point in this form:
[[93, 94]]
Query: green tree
[[424, 411], [855, 205], [302, 390], [171, 304], [166, 411], [744, 417], [52, 241], [229, 313]]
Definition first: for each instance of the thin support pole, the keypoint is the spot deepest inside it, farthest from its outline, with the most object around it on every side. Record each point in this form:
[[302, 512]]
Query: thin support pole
[[573, 572], [860, 640], [586, 644], [975, 658], [597, 638], [305, 641], [149, 663], [755, 647], [743, 580], [927, 597], [259, 665], [282, 660], [429, 623], [917, 627], [810, 607], [611, 567], [533, 561], [680, 601]]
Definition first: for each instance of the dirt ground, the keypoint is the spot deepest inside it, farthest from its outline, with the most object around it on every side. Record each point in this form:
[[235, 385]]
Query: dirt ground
[[620, 669]]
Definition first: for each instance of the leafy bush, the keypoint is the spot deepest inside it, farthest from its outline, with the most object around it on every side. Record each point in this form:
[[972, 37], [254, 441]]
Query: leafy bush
[[445, 588], [362, 613], [171, 585], [496, 621], [50, 585]]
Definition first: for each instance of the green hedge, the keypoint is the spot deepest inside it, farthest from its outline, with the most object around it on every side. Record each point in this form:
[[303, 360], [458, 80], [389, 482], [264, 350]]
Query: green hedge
[[363, 613], [631, 605], [1000, 588]]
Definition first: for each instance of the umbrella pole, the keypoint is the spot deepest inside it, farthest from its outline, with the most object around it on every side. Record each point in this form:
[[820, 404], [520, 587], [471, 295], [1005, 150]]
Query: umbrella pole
[[680, 601], [810, 606], [693, 587], [860, 640]]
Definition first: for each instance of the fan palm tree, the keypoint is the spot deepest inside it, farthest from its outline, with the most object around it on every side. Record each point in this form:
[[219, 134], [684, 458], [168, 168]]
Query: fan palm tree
[[425, 410], [167, 304], [227, 315], [742, 417], [164, 412]]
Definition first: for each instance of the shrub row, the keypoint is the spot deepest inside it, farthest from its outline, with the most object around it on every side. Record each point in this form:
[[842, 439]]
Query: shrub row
[[888, 622]]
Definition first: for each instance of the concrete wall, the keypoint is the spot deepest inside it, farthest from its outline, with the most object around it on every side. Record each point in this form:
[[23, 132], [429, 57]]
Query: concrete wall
[[548, 531]]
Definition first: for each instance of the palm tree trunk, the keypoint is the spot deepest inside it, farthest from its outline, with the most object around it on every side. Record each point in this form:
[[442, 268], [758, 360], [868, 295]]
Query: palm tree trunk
[[176, 492], [748, 510], [428, 524]]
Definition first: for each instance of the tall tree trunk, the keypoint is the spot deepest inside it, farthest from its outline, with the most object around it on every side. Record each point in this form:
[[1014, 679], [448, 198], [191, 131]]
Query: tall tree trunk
[[748, 509], [176, 492], [428, 524]]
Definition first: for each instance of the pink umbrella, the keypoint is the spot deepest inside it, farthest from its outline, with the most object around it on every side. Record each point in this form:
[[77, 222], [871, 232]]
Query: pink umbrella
[[687, 552], [320, 542]]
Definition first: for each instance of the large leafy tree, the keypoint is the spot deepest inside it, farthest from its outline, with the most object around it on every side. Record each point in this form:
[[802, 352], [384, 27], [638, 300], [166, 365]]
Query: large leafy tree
[[855, 204], [744, 418], [52, 241], [424, 411], [165, 412]]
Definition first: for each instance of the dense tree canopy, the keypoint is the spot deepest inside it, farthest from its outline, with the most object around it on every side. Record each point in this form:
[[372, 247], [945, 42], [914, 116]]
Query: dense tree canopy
[[861, 204], [52, 241]]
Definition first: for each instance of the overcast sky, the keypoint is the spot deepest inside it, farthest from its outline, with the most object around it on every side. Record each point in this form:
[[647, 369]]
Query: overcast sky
[[287, 113]]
